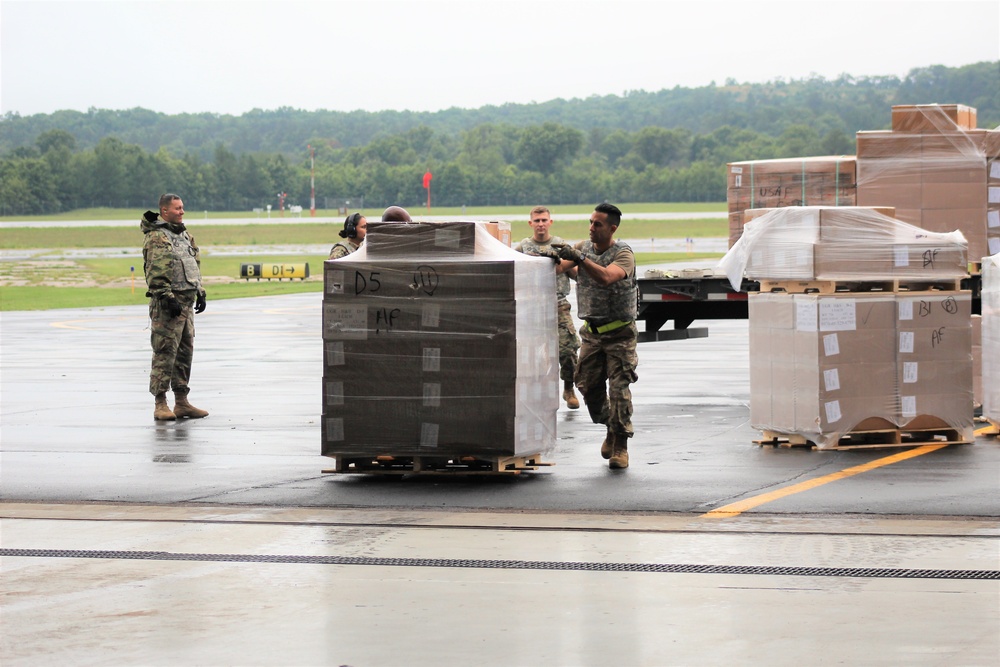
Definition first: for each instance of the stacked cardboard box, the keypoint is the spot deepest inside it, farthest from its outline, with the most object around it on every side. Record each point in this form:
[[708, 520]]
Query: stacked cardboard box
[[841, 243], [992, 149], [932, 168], [991, 338], [439, 340], [825, 365], [810, 181]]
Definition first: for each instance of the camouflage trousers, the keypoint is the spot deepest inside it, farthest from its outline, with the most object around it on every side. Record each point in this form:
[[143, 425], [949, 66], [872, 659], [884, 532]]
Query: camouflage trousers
[[569, 343], [606, 369], [172, 339]]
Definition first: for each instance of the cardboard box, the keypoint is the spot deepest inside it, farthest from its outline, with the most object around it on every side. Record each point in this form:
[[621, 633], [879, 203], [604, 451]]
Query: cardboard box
[[925, 118], [420, 239]]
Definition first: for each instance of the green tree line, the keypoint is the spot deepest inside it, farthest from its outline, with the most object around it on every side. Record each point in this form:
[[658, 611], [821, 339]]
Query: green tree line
[[670, 145]]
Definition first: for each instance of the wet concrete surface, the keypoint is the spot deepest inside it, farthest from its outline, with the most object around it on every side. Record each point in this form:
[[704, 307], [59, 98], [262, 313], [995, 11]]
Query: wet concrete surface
[[220, 541], [77, 427]]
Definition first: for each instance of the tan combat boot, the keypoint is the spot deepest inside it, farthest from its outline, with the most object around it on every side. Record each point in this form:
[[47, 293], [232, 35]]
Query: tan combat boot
[[607, 447], [570, 397], [619, 458], [162, 411], [184, 409]]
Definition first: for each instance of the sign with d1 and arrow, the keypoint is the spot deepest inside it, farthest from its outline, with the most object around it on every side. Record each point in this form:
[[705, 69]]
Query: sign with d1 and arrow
[[274, 271]]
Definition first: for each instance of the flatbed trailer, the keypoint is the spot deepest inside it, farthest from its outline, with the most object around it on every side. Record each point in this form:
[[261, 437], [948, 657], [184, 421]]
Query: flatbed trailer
[[688, 295]]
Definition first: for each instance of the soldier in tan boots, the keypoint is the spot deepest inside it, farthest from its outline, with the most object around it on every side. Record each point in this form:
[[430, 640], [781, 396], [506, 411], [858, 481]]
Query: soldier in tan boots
[[172, 266]]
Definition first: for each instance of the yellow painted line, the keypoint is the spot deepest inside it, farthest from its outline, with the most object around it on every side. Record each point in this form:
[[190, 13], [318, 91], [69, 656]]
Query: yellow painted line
[[986, 430], [733, 509]]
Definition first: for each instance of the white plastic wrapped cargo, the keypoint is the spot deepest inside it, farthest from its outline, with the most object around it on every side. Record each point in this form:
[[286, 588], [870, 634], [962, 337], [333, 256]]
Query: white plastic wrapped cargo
[[439, 340], [847, 243], [991, 338]]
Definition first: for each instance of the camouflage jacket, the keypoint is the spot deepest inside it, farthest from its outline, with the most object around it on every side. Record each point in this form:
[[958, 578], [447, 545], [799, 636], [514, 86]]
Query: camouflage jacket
[[530, 246], [171, 260]]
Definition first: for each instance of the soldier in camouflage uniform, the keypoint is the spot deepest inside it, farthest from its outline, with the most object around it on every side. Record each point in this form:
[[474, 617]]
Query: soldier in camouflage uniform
[[540, 243], [607, 302], [172, 266], [353, 234]]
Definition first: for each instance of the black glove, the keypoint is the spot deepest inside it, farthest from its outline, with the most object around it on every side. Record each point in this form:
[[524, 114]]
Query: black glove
[[149, 216], [200, 304], [568, 252], [171, 305], [550, 253]]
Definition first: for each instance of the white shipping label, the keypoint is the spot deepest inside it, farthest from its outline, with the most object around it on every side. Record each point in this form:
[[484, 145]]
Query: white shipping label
[[432, 394], [432, 359], [736, 170], [906, 342], [345, 322], [909, 372], [993, 219], [334, 429], [831, 345], [429, 435], [805, 314], [430, 316], [837, 315], [901, 255], [335, 282], [994, 195], [832, 412], [905, 310], [995, 169], [334, 392], [831, 379], [908, 406], [448, 238], [335, 354]]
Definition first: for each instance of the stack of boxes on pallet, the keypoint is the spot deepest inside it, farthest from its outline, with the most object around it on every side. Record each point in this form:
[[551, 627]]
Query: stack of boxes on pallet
[[810, 181], [933, 168], [991, 339], [870, 333], [439, 340]]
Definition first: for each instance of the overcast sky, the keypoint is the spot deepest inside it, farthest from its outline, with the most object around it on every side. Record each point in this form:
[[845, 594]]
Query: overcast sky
[[232, 56]]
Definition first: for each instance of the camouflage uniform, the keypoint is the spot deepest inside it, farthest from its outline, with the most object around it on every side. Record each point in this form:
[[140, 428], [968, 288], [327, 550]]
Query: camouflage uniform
[[172, 265], [569, 342], [343, 248], [608, 357]]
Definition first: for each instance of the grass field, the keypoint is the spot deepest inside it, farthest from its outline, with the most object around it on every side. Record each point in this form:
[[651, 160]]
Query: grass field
[[63, 282], [502, 212]]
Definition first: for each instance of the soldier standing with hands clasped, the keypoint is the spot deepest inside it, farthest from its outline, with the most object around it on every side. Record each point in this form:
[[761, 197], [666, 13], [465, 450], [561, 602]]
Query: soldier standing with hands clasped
[[172, 266], [607, 302], [541, 243]]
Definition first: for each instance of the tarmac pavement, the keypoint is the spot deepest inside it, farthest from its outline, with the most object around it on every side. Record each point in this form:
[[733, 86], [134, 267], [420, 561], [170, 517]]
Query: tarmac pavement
[[220, 541]]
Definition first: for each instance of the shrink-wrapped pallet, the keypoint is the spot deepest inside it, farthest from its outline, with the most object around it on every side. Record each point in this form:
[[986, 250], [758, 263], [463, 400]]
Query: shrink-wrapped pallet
[[808, 181], [991, 338], [871, 332], [841, 243], [934, 167], [439, 340]]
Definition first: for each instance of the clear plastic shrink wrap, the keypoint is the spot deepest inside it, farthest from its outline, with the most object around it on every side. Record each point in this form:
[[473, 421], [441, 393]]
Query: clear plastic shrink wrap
[[840, 243], [937, 170], [991, 338], [824, 365], [439, 340]]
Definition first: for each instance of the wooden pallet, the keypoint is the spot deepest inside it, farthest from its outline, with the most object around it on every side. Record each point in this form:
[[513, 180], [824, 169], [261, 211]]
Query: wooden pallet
[[437, 465], [989, 428], [841, 286], [875, 439]]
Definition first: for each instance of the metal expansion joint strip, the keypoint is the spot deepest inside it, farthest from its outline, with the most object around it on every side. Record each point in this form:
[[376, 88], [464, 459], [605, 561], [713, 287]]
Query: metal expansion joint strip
[[675, 568]]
